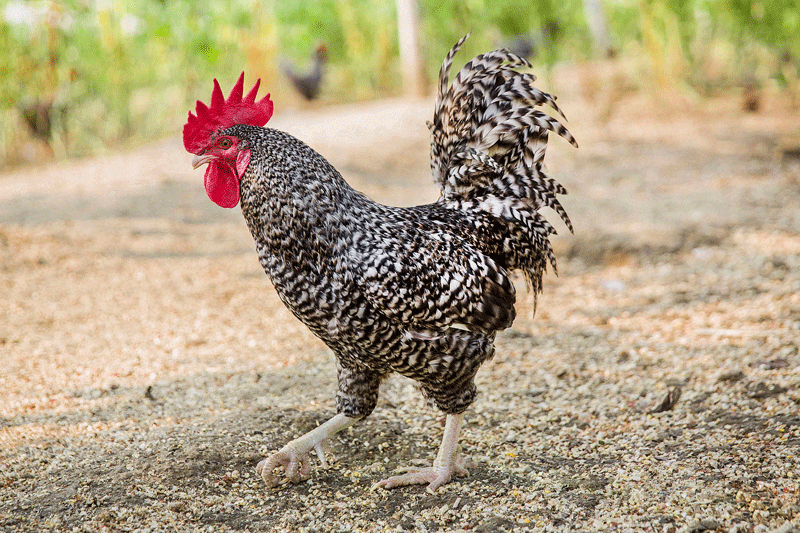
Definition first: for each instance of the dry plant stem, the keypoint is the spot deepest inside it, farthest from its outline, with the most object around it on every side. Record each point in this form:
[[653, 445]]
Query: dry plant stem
[[294, 455], [448, 462]]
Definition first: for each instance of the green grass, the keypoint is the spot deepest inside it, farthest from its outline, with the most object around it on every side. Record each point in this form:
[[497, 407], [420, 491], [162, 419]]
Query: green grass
[[128, 71]]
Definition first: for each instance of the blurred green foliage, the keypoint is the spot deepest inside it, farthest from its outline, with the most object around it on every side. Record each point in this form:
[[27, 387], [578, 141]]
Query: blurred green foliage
[[113, 71]]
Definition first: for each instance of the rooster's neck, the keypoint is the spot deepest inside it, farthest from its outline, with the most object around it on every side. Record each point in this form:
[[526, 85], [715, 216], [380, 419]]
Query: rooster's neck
[[295, 203]]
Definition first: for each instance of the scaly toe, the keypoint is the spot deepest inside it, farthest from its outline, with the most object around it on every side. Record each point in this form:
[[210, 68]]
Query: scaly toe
[[434, 477], [265, 469]]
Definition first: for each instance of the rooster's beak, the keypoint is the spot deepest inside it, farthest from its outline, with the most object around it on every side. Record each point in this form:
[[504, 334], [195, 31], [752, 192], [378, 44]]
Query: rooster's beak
[[200, 160]]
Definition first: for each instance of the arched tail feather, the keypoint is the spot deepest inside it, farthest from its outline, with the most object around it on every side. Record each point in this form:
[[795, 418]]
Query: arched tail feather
[[487, 153]]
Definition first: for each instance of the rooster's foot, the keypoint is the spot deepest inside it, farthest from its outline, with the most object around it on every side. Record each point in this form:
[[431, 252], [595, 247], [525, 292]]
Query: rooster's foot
[[434, 476], [296, 465], [294, 457], [449, 461]]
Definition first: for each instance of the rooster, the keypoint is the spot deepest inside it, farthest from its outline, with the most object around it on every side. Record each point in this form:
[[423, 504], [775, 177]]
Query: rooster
[[421, 291]]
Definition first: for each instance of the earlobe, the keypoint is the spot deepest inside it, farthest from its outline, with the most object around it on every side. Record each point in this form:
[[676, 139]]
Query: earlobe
[[242, 162]]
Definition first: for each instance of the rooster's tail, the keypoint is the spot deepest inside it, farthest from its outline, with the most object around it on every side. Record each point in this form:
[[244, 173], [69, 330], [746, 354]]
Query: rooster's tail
[[487, 149]]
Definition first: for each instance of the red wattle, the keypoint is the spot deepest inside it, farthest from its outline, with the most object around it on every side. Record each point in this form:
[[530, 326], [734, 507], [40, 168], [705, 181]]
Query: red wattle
[[222, 185]]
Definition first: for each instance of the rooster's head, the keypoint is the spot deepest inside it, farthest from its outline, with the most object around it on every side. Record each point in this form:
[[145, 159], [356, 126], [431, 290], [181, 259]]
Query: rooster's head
[[227, 156]]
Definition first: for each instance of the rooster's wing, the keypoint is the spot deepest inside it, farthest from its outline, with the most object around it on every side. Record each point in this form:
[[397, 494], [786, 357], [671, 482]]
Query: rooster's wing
[[431, 280]]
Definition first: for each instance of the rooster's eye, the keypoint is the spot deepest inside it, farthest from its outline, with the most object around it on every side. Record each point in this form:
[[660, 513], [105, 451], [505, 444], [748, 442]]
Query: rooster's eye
[[224, 143]]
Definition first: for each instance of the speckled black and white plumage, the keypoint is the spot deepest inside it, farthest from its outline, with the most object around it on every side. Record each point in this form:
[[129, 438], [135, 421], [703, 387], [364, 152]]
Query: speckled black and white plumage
[[380, 285], [420, 291]]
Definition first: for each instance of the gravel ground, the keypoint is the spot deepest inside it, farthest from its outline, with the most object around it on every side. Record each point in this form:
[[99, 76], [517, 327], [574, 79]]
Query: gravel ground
[[148, 365]]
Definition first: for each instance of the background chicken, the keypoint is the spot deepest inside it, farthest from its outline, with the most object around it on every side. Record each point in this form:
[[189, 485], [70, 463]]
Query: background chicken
[[420, 291], [309, 83]]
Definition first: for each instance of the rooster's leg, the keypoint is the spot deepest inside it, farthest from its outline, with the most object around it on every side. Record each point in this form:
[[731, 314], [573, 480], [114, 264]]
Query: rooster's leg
[[294, 456], [448, 462]]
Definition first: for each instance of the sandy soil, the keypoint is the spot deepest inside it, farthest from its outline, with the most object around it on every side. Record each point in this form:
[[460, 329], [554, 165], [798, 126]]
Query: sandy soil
[[147, 364]]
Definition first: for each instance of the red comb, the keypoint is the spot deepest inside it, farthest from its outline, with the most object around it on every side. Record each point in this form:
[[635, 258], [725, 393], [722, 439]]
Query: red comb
[[224, 113]]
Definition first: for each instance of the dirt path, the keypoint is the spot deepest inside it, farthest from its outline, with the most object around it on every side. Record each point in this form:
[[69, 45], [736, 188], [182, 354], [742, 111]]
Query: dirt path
[[148, 365]]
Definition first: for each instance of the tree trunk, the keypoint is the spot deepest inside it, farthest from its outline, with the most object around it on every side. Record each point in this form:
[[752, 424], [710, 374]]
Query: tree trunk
[[598, 28], [410, 51]]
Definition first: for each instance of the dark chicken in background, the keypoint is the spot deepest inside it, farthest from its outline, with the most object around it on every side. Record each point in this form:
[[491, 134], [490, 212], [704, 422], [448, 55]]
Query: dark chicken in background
[[420, 291], [308, 84]]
